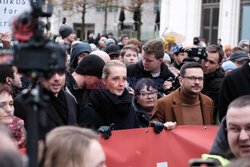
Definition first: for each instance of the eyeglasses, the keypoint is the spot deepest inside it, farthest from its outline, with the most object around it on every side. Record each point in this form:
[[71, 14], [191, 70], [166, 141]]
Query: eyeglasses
[[52, 73], [237, 130], [146, 94], [193, 78]]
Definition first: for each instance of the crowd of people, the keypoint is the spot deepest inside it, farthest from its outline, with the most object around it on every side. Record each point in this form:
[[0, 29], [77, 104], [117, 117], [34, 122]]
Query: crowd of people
[[113, 85]]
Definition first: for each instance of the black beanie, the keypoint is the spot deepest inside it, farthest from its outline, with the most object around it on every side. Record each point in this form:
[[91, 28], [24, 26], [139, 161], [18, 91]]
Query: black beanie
[[112, 50], [91, 65], [65, 31]]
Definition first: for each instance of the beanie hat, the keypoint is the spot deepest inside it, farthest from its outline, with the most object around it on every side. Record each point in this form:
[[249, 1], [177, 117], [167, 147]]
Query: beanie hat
[[177, 49], [228, 65], [239, 56], [91, 65], [65, 31], [112, 50], [108, 41], [244, 42]]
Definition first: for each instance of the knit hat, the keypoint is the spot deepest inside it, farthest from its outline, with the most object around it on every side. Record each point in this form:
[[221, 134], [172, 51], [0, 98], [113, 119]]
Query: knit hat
[[108, 41], [112, 50], [65, 31], [239, 56], [244, 42], [91, 65], [228, 65]]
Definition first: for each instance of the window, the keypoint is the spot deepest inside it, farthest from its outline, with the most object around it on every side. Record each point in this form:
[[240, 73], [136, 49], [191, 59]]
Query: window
[[244, 20], [156, 6], [112, 5], [210, 20]]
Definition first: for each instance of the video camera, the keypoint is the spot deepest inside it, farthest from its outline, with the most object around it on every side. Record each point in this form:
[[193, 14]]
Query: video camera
[[34, 52], [194, 54]]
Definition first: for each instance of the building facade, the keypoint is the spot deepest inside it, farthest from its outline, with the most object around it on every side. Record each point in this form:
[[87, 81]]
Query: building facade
[[95, 16], [210, 19]]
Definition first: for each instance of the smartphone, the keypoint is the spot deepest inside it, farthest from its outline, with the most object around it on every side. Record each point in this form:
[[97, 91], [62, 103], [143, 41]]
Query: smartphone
[[203, 163]]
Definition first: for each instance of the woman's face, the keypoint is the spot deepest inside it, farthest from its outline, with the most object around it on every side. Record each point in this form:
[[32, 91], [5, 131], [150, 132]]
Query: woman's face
[[101, 42], [116, 81], [147, 97], [6, 108]]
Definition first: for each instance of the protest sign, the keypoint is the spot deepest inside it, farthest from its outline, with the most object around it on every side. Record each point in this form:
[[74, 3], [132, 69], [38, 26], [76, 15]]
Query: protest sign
[[143, 147], [10, 9]]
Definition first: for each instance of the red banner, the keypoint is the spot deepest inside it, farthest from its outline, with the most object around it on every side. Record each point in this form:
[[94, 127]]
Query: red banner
[[144, 148]]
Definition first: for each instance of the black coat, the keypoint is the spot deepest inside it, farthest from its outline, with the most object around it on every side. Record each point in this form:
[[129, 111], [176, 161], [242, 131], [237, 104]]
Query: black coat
[[235, 84], [80, 95], [136, 72], [104, 108], [143, 119], [67, 116], [220, 145], [211, 87]]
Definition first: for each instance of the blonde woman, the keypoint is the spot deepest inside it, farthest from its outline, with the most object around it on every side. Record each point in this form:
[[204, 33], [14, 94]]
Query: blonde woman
[[69, 146], [111, 103]]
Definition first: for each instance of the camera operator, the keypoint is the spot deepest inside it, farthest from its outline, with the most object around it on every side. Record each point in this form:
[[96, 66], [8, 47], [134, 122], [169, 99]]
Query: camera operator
[[61, 109], [178, 54], [213, 74]]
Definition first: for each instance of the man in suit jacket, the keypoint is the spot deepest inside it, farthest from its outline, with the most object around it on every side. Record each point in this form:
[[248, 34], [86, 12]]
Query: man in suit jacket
[[186, 105]]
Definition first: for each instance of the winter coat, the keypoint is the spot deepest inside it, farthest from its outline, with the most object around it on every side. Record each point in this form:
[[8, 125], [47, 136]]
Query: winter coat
[[235, 84], [220, 145], [136, 72], [104, 108], [67, 115], [143, 119], [81, 95], [169, 108], [211, 87]]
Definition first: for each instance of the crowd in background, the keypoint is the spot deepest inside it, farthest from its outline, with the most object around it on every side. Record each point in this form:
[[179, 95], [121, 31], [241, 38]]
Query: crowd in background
[[113, 84]]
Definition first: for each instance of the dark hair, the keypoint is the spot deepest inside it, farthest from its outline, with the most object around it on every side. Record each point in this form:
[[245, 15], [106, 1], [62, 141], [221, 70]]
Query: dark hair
[[6, 71], [215, 49], [123, 36], [128, 47], [240, 102], [97, 39], [144, 82], [154, 47], [170, 45], [189, 65]]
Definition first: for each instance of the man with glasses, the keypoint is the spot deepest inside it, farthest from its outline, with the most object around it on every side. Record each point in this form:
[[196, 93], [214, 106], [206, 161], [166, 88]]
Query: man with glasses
[[186, 105], [144, 100], [151, 66], [233, 137]]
